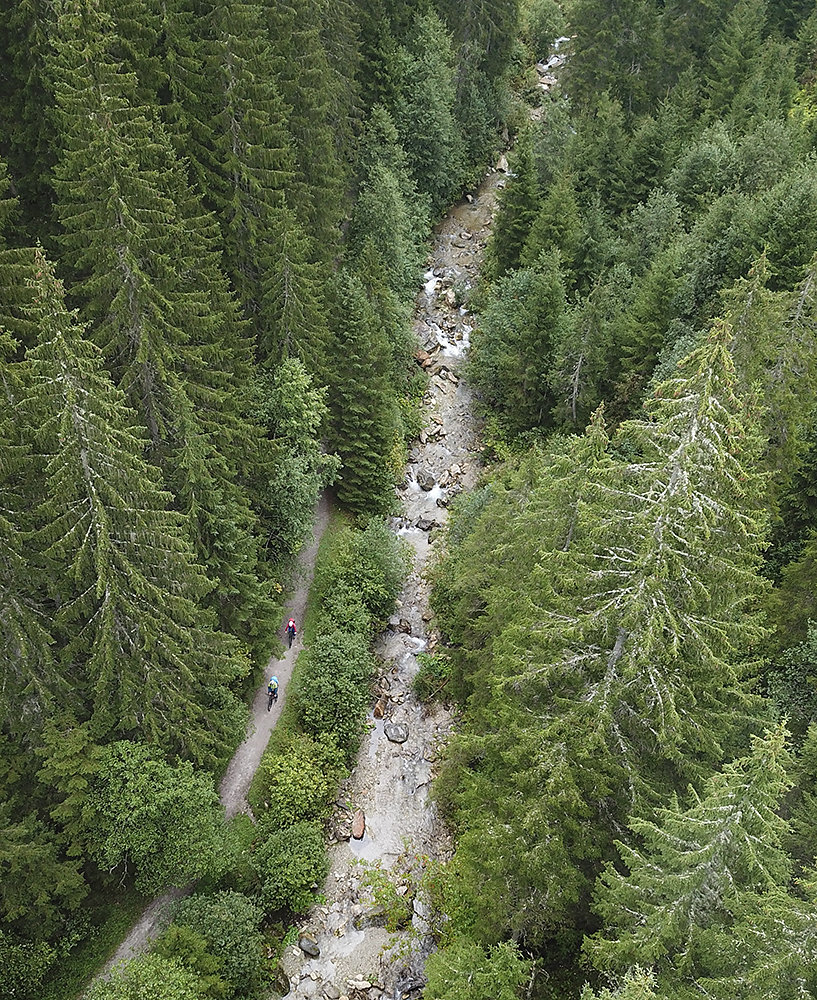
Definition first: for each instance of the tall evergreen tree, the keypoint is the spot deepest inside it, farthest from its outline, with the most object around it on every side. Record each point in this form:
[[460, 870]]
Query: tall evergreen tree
[[424, 112], [364, 423], [123, 578], [145, 256]]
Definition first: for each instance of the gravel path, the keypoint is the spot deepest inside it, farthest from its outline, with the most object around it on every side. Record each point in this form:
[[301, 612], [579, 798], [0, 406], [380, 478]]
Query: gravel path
[[236, 781]]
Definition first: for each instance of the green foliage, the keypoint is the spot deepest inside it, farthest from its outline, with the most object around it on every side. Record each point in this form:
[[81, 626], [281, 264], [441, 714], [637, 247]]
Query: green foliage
[[297, 781], [164, 821], [542, 23], [792, 682], [514, 343], [25, 964], [189, 949], [228, 922], [432, 678], [465, 971], [288, 863], [147, 977], [333, 688], [382, 886], [636, 984]]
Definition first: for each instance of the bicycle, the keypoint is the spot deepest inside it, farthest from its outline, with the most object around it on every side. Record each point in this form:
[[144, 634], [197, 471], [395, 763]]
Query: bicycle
[[271, 697]]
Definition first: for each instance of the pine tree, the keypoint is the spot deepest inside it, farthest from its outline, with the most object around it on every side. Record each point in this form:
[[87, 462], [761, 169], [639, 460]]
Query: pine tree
[[294, 297], [363, 429], [695, 864], [126, 587], [732, 56], [146, 259], [248, 163], [306, 84], [424, 112], [518, 206], [389, 215], [30, 684]]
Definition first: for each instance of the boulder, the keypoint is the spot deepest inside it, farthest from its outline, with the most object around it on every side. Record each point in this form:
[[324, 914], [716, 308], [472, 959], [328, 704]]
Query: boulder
[[425, 479], [379, 709], [396, 732], [426, 523], [502, 164], [308, 945], [330, 991], [359, 822]]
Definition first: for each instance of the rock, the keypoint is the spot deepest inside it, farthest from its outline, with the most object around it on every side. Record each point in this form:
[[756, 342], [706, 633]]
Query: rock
[[451, 297], [307, 987], [405, 626], [396, 732], [442, 502], [502, 164], [359, 822], [423, 358], [425, 479], [426, 524], [330, 991], [428, 614], [394, 622], [308, 945], [379, 709], [470, 199]]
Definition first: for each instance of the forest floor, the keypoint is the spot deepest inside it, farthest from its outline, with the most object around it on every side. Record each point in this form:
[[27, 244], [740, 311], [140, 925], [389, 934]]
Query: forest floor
[[236, 781], [344, 946]]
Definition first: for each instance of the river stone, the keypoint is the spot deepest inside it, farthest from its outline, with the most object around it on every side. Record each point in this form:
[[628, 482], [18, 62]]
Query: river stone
[[359, 822], [308, 945], [426, 523], [425, 479], [330, 991], [396, 732], [307, 987]]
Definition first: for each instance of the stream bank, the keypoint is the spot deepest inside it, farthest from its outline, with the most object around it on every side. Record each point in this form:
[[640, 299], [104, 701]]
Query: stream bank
[[344, 947]]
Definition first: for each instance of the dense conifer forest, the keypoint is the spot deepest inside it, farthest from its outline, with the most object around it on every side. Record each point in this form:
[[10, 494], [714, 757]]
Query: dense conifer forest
[[212, 224]]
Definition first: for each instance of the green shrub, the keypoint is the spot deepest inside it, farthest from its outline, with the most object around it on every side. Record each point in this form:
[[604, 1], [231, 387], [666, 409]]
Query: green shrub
[[298, 782], [187, 948], [343, 609], [542, 23], [24, 965], [147, 977], [333, 688], [229, 922], [379, 566], [383, 888], [370, 564], [464, 971], [432, 677], [289, 863]]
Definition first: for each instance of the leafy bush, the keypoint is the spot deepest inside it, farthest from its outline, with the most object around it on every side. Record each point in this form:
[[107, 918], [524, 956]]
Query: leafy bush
[[298, 782], [383, 887], [333, 692], [370, 564], [187, 948], [464, 971], [24, 965], [343, 609], [288, 863], [229, 922], [432, 677], [147, 977], [165, 820]]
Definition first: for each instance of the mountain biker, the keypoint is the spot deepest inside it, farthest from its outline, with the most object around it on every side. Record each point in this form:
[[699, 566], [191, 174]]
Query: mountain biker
[[292, 630], [272, 691]]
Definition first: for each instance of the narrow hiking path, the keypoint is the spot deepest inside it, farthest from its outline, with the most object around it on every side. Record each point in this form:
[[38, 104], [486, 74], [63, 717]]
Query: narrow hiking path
[[236, 781], [344, 949]]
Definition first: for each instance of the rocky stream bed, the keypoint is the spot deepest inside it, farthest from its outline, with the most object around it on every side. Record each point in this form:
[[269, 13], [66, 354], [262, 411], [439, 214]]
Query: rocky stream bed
[[383, 816]]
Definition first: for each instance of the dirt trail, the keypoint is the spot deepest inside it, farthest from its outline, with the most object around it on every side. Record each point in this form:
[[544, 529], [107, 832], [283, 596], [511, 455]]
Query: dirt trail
[[236, 781], [356, 956]]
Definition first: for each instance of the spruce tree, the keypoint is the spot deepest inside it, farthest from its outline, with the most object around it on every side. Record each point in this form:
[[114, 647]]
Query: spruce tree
[[306, 84], [693, 865], [147, 266], [127, 590], [424, 112], [364, 421]]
